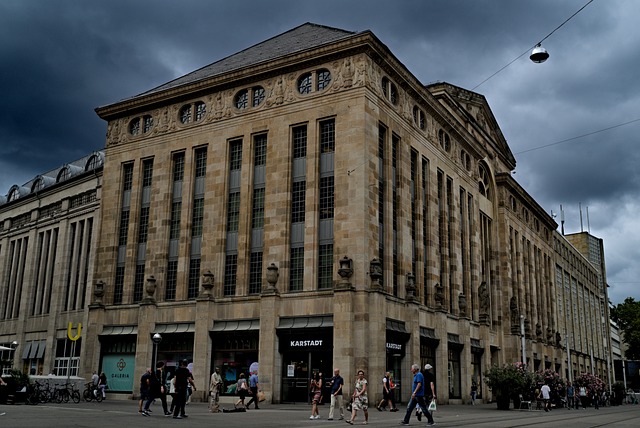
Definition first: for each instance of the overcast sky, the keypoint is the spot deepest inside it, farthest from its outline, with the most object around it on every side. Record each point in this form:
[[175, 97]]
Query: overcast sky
[[59, 60]]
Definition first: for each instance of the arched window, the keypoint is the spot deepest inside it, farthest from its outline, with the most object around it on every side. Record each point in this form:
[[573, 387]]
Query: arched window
[[317, 80], [255, 94], [194, 112], [484, 181]]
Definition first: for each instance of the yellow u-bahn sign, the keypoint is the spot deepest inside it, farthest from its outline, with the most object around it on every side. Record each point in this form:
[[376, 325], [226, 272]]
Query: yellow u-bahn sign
[[77, 336]]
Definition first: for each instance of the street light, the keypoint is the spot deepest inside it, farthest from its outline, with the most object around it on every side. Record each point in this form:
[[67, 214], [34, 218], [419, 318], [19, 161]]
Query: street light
[[156, 341], [539, 54]]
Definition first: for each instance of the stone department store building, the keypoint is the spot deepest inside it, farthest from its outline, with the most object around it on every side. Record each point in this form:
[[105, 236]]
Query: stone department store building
[[307, 204]]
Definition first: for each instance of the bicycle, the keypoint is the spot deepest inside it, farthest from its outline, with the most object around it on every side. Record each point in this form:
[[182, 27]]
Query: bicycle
[[66, 392], [91, 392]]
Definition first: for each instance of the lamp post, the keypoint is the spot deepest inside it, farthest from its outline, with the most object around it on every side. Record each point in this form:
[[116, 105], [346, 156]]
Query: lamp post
[[569, 358], [156, 341], [522, 341]]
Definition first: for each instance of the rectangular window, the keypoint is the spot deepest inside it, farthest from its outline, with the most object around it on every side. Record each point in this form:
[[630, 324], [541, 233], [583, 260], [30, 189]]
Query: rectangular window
[[296, 275], [257, 218], [230, 274], [118, 286], [327, 136], [194, 278], [297, 201], [325, 267], [67, 359], [174, 229], [124, 228], [147, 173], [143, 231], [235, 155], [255, 273], [260, 150], [201, 162], [300, 142], [197, 218], [178, 167], [138, 283], [233, 213], [382, 137], [326, 197], [127, 177], [172, 280], [395, 209]]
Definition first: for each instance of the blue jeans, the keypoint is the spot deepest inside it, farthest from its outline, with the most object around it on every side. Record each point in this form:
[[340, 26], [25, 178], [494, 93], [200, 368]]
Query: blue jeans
[[418, 401]]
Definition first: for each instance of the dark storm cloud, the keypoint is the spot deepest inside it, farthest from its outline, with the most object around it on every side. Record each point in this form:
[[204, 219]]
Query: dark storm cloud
[[61, 59]]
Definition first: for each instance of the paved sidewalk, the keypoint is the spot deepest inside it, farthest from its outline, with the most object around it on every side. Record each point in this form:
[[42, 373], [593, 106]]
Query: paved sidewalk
[[121, 413]]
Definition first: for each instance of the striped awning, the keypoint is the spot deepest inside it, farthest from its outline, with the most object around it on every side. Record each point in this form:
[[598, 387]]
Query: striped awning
[[111, 330], [236, 325], [174, 328]]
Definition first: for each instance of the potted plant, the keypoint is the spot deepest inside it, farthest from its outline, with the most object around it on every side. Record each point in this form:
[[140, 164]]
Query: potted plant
[[508, 381]]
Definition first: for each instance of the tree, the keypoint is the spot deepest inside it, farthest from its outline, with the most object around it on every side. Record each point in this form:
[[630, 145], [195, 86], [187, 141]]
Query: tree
[[627, 316]]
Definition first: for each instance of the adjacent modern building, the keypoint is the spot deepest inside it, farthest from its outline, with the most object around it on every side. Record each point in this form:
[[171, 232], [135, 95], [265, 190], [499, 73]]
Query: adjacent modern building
[[308, 203]]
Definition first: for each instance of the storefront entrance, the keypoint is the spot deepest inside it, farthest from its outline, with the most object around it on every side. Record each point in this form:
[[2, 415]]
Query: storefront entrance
[[304, 350]]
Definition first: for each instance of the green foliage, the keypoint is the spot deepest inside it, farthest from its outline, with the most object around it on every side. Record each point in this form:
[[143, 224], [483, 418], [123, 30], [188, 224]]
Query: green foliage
[[510, 379], [20, 379], [627, 316]]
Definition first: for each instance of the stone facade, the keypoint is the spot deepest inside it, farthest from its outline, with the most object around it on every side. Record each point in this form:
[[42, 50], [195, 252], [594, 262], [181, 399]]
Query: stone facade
[[308, 204]]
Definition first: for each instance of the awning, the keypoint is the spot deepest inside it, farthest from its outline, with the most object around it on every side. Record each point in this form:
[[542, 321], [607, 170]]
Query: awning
[[34, 349], [397, 326], [476, 346], [111, 330], [41, 348], [324, 321], [237, 325], [454, 341], [26, 350], [174, 328], [428, 333]]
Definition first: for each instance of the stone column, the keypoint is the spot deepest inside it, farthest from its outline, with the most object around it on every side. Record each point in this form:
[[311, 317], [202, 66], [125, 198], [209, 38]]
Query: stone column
[[202, 344], [269, 372]]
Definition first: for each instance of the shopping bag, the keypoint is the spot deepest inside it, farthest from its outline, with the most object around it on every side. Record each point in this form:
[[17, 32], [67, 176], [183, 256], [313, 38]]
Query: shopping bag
[[432, 406], [261, 396]]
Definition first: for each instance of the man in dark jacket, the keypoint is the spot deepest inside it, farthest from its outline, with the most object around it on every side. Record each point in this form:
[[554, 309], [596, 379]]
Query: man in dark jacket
[[183, 378]]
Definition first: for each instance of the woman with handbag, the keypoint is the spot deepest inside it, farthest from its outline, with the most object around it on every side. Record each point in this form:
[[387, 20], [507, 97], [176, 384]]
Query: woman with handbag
[[360, 399], [315, 392], [242, 389]]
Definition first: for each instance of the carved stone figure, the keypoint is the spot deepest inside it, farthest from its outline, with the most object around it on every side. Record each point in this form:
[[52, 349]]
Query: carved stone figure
[[439, 295], [273, 274], [515, 314], [483, 296]]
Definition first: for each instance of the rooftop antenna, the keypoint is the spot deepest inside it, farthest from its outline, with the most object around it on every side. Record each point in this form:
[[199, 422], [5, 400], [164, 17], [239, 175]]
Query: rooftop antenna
[[580, 207], [588, 225], [561, 219]]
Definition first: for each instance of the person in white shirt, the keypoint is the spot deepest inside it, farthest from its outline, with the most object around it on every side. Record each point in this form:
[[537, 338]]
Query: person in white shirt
[[546, 397]]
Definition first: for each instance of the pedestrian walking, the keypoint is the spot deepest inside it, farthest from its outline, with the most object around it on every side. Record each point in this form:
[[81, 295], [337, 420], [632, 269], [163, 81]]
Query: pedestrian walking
[[545, 391], [242, 390], [315, 393], [387, 394], [182, 378], [474, 392], [254, 387], [418, 393], [570, 396], [337, 382], [161, 388], [145, 392], [360, 399]]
